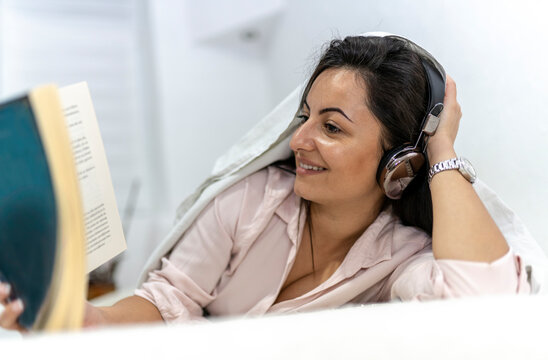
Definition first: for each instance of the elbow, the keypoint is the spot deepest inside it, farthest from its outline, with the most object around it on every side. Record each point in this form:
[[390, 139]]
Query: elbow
[[446, 279]]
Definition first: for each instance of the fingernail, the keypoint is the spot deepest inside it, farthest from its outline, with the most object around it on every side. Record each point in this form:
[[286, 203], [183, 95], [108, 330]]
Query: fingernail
[[18, 305], [5, 288]]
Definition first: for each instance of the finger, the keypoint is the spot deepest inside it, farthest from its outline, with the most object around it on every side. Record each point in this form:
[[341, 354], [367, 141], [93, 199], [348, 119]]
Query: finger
[[450, 103], [5, 290], [8, 318], [450, 90]]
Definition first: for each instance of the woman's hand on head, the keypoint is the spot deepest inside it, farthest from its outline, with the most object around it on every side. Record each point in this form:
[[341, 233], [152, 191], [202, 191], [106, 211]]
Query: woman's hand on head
[[12, 310], [441, 144]]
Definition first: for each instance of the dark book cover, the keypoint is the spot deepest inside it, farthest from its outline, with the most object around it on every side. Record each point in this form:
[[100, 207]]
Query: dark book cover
[[28, 220]]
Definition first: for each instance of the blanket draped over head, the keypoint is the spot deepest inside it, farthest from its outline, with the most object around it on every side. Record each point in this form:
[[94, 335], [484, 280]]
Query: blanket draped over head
[[268, 142]]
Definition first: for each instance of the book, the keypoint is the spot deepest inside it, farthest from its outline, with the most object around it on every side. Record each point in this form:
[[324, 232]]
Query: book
[[58, 213]]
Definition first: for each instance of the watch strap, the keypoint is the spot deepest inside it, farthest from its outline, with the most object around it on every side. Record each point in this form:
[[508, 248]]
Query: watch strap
[[451, 164]]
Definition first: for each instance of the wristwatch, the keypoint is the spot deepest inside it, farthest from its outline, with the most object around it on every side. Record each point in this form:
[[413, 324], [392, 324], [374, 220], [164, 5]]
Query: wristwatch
[[461, 164]]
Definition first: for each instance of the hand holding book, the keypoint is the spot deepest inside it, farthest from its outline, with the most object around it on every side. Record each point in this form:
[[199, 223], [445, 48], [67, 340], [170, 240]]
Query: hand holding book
[[12, 309]]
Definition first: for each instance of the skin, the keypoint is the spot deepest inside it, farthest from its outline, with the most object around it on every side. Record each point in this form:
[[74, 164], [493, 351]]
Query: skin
[[344, 196], [340, 134], [462, 229], [340, 137]]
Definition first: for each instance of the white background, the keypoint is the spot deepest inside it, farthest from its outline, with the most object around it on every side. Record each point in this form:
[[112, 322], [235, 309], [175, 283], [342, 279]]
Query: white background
[[208, 70]]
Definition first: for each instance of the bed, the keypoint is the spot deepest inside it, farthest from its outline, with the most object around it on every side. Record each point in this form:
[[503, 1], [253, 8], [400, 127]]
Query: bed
[[502, 327]]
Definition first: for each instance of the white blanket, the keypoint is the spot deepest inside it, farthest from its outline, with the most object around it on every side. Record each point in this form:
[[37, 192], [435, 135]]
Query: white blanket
[[268, 142]]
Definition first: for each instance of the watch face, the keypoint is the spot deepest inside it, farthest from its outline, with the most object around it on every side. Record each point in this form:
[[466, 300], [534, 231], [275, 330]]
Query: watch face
[[467, 170]]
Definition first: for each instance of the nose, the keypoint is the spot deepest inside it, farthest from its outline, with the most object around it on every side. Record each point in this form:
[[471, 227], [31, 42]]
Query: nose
[[303, 137]]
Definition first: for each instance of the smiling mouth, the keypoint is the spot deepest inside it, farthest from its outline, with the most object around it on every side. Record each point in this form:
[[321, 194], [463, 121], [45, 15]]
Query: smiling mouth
[[310, 167]]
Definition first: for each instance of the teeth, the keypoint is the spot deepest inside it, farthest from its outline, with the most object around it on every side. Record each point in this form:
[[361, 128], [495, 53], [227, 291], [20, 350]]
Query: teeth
[[309, 167]]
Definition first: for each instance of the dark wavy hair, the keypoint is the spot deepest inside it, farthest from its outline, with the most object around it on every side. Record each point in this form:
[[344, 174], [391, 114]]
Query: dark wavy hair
[[396, 82]]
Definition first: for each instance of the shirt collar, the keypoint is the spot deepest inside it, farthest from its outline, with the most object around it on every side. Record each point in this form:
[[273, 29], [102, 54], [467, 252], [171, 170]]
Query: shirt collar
[[371, 248], [293, 213]]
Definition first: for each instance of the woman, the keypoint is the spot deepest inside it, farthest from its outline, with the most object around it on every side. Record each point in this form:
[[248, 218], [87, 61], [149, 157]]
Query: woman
[[326, 233]]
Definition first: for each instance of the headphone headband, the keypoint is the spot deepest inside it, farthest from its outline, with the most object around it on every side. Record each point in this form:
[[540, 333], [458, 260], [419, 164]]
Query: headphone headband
[[399, 166]]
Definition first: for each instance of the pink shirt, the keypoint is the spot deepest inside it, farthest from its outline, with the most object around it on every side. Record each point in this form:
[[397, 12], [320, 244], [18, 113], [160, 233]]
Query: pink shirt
[[236, 256]]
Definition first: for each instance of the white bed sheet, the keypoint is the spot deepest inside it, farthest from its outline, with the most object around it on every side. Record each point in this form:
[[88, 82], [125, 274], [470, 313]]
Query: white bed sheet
[[508, 327]]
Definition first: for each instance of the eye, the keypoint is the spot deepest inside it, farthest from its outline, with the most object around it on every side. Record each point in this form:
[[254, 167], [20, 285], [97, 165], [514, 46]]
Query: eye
[[332, 129]]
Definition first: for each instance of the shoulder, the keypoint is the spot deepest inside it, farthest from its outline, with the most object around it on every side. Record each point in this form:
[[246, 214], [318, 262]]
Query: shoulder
[[269, 181], [406, 237], [255, 197]]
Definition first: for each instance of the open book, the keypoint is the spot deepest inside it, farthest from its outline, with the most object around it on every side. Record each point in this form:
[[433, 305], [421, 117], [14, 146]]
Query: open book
[[58, 213]]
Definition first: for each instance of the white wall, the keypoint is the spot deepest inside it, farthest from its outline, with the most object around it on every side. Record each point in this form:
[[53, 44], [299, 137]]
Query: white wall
[[209, 95]]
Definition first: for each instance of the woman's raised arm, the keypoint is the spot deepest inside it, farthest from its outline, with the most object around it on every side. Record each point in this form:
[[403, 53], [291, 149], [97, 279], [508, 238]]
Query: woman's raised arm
[[462, 228]]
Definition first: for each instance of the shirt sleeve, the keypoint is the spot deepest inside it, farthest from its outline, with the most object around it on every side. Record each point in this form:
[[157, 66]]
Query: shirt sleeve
[[186, 281], [424, 278]]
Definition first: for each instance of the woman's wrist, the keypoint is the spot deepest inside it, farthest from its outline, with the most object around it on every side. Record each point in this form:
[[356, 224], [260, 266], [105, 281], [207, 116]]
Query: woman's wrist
[[95, 316], [439, 150]]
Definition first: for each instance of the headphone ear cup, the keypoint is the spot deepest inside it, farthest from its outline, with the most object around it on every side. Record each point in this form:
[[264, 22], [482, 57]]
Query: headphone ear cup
[[386, 158], [398, 168]]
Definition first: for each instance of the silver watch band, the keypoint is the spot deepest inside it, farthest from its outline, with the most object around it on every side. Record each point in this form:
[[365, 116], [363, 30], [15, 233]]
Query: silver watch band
[[450, 164]]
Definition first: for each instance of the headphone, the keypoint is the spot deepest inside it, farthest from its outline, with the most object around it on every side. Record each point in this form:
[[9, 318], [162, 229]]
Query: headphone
[[399, 166]]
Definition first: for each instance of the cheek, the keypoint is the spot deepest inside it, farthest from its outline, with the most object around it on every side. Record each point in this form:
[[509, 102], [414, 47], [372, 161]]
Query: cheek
[[358, 164], [358, 175]]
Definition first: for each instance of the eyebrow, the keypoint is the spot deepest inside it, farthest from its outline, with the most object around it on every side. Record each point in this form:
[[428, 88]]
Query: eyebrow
[[330, 109]]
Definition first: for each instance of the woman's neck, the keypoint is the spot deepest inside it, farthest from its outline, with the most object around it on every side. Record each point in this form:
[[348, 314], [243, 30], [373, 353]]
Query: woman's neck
[[335, 228]]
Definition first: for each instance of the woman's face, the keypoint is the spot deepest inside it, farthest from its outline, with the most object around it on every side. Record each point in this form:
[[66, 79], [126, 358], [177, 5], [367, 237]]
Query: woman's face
[[338, 146]]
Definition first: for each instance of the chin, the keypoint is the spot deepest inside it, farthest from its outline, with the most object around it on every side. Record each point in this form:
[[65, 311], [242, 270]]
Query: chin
[[305, 192], [298, 189]]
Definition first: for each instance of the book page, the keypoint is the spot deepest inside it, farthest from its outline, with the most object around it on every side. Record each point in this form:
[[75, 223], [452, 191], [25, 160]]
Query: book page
[[104, 233]]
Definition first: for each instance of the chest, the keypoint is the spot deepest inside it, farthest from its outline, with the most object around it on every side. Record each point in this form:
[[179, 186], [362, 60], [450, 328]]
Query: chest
[[308, 271]]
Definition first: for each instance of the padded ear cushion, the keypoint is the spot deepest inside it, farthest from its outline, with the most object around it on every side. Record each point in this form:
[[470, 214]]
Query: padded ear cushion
[[398, 168], [386, 158]]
